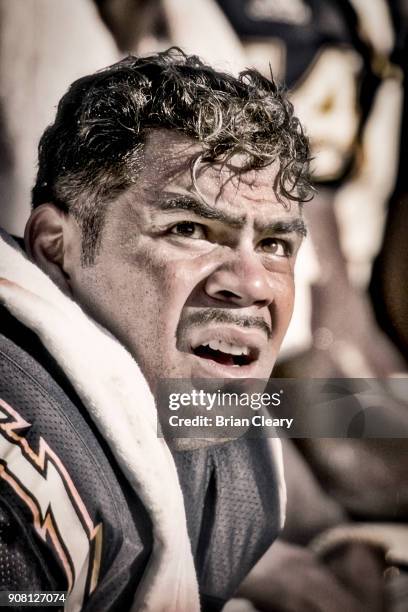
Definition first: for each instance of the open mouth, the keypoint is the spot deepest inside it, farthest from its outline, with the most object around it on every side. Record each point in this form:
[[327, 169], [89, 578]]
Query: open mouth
[[225, 353]]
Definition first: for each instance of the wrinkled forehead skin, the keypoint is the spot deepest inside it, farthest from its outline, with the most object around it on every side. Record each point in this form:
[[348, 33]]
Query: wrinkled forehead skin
[[169, 154], [172, 158]]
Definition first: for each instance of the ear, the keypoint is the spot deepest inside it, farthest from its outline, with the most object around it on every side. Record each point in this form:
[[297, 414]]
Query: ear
[[45, 237]]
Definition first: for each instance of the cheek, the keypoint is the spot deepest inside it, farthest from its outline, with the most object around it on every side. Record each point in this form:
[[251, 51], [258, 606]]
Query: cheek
[[175, 277], [154, 290], [283, 305]]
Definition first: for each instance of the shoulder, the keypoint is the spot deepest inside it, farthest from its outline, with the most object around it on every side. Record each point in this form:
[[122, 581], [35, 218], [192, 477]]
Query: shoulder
[[57, 478]]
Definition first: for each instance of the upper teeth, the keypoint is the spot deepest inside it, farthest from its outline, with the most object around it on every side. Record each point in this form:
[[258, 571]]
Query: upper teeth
[[226, 347]]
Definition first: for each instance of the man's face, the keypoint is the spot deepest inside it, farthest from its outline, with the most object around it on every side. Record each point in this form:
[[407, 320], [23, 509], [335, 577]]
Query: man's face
[[196, 280]]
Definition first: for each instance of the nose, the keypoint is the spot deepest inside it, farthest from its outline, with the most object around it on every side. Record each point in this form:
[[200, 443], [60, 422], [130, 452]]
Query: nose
[[243, 281]]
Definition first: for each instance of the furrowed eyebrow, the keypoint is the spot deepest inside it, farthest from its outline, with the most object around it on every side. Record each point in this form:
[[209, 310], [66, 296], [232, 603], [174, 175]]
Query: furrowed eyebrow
[[296, 226], [177, 202], [182, 202]]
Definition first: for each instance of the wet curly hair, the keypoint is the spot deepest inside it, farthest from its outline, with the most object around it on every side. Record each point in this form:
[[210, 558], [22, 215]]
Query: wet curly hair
[[94, 150]]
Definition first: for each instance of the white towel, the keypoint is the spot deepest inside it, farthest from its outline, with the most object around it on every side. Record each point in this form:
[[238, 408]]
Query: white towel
[[117, 397]]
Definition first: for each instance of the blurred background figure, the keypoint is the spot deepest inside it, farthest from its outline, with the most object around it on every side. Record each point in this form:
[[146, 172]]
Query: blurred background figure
[[44, 46], [345, 62]]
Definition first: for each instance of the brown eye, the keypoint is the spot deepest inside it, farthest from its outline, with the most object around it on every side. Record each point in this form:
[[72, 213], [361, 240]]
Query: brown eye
[[189, 229], [275, 246]]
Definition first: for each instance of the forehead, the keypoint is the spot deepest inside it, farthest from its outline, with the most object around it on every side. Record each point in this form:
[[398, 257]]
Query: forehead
[[169, 167]]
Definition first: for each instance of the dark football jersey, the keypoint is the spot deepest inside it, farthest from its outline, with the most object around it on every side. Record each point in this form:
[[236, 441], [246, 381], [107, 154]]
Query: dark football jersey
[[65, 505]]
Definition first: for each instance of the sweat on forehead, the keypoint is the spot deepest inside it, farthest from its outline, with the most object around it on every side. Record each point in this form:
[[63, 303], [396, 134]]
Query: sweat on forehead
[[172, 158]]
